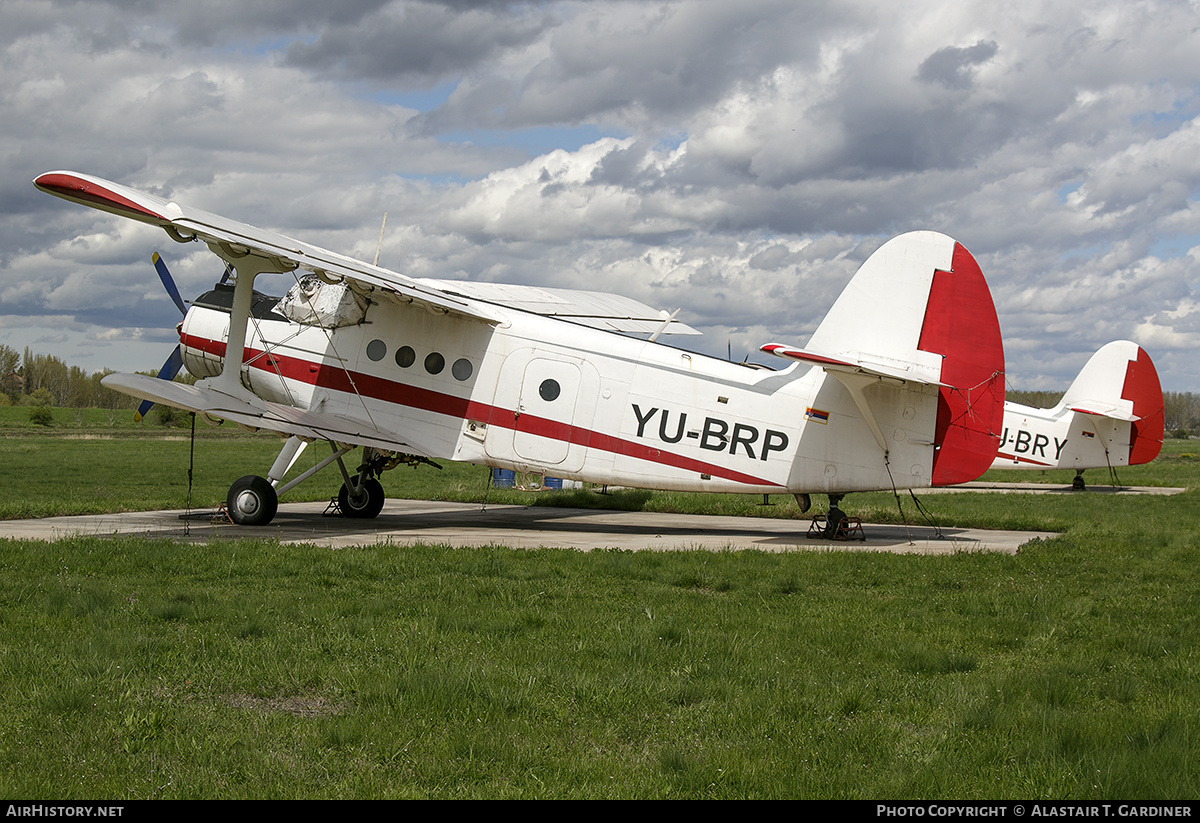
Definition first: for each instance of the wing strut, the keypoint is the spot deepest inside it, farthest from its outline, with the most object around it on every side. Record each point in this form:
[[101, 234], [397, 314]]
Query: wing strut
[[247, 266]]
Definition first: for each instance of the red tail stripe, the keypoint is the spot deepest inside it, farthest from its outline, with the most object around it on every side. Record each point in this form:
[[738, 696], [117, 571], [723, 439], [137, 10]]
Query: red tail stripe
[[961, 325], [1142, 387]]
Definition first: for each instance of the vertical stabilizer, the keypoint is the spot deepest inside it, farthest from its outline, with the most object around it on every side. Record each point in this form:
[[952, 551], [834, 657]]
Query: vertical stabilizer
[[1120, 381], [919, 306]]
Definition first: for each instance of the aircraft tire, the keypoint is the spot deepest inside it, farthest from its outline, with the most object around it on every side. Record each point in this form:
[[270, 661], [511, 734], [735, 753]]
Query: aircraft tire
[[252, 501], [365, 508]]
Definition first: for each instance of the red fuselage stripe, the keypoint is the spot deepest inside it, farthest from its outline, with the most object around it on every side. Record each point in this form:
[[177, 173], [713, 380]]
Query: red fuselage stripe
[[1017, 459], [389, 391]]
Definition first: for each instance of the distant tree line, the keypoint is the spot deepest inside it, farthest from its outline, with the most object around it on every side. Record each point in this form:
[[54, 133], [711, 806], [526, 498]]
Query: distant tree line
[[43, 380], [1181, 409], [1182, 412]]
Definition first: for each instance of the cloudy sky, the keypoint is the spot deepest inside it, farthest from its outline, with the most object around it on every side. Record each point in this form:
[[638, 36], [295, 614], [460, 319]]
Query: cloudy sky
[[737, 158]]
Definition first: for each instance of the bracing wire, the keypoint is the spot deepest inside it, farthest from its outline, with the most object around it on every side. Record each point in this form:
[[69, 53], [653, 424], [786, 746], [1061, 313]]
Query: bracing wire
[[487, 490], [887, 464], [937, 529], [187, 530], [336, 354], [1112, 472], [968, 393], [272, 360]]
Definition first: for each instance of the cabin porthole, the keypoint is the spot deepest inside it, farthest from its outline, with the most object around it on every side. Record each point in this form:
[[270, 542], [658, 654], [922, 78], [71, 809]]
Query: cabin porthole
[[462, 369], [376, 350], [549, 390], [405, 357], [434, 363]]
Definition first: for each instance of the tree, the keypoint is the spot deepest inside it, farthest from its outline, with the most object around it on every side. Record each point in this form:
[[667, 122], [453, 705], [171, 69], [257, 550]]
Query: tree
[[1181, 412], [10, 377], [41, 416]]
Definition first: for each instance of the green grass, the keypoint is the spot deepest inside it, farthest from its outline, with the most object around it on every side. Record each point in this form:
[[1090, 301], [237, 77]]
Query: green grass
[[135, 668]]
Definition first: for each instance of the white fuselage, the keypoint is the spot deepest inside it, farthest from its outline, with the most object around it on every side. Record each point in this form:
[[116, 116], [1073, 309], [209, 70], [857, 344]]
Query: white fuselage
[[1060, 439], [539, 394]]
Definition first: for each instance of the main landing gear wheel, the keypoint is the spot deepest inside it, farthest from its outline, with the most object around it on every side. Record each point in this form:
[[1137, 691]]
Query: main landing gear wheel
[[368, 503], [251, 501]]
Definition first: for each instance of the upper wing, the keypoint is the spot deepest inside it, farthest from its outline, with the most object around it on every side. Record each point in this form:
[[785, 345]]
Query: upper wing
[[236, 239], [597, 309]]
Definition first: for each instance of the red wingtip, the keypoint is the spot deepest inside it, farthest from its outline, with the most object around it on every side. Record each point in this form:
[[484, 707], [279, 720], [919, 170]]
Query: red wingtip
[[961, 325], [1143, 388], [93, 193]]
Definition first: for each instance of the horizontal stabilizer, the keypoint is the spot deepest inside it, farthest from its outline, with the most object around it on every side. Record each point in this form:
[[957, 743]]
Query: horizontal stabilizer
[[1104, 410], [907, 372]]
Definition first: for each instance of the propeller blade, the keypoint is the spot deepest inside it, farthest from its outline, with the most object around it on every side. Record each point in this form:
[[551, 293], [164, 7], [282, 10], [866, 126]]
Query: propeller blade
[[168, 282], [167, 372]]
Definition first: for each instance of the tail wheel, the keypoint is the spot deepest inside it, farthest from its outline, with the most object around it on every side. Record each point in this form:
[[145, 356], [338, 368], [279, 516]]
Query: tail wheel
[[367, 504], [252, 501]]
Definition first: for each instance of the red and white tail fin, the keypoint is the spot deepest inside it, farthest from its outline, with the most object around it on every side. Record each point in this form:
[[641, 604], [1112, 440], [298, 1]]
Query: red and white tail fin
[[1111, 416], [920, 311], [1120, 381]]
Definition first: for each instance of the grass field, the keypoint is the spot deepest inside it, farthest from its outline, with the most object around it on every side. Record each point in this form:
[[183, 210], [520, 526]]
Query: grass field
[[134, 668]]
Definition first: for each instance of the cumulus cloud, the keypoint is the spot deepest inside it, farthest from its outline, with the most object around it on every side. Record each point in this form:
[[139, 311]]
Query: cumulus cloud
[[420, 43], [739, 159], [953, 67]]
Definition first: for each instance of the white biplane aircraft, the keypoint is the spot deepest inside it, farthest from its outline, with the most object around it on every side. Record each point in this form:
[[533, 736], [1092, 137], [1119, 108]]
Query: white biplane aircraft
[[901, 386], [1112, 415]]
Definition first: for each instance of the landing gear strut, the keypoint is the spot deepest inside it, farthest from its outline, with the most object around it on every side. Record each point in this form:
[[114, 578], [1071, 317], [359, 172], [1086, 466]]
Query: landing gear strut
[[253, 500], [367, 503], [362, 496]]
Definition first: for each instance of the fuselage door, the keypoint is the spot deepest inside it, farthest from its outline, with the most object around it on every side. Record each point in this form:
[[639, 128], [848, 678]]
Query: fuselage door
[[543, 430]]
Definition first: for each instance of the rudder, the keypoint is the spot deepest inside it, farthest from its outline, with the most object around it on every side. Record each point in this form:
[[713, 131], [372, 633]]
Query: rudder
[[960, 324]]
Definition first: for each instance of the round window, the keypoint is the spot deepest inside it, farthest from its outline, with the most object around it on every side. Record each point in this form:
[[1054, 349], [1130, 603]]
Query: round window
[[549, 390], [462, 369], [434, 363], [405, 357], [376, 349]]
